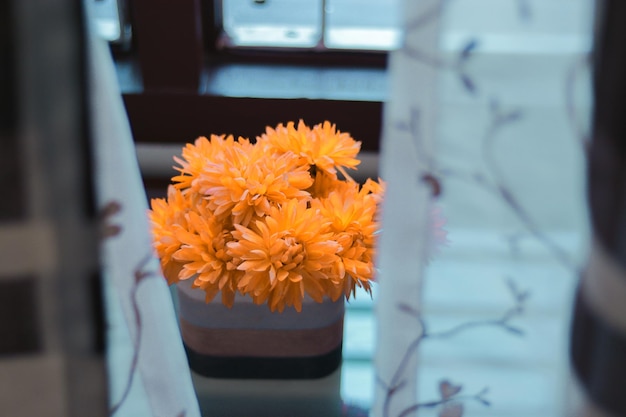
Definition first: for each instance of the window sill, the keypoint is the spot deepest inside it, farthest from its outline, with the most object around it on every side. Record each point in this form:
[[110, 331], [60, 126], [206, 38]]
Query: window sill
[[243, 99]]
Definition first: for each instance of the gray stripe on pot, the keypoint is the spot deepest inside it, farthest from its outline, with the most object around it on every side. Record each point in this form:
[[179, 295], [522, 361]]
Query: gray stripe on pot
[[247, 315]]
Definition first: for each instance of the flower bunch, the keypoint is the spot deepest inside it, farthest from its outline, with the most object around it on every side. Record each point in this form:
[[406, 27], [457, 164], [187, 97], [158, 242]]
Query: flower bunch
[[277, 219]]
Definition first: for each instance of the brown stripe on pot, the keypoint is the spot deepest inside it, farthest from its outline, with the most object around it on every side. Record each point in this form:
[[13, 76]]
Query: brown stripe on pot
[[262, 342]]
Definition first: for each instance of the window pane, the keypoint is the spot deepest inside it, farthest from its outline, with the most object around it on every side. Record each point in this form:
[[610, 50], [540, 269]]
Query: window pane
[[362, 24], [107, 20], [273, 23]]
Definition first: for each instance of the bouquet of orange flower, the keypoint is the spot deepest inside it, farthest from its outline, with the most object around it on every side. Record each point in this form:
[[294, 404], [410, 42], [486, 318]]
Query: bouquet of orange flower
[[276, 220]]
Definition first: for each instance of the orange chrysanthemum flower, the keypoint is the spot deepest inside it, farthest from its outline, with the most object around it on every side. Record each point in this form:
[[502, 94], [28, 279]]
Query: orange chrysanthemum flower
[[195, 157], [323, 147], [277, 220], [166, 216], [204, 257], [289, 254], [334, 149], [352, 214], [246, 182], [324, 184]]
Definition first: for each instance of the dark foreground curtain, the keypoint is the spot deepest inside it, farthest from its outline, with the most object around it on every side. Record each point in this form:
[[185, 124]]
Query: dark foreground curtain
[[51, 333], [599, 329]]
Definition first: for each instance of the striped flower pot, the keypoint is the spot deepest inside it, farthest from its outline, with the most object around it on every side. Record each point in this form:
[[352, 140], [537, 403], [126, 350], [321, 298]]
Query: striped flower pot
[[250, 341]]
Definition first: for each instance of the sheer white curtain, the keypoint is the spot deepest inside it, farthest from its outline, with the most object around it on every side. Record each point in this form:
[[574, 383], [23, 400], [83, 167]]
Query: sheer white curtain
[[489, 108], [147, 367]]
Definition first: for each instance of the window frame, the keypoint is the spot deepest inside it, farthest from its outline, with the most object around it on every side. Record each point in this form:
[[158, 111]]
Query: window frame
[[162, 73]]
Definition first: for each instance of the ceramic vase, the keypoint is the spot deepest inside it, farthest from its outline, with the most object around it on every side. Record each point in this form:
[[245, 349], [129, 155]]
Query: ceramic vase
[[248, 341]]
